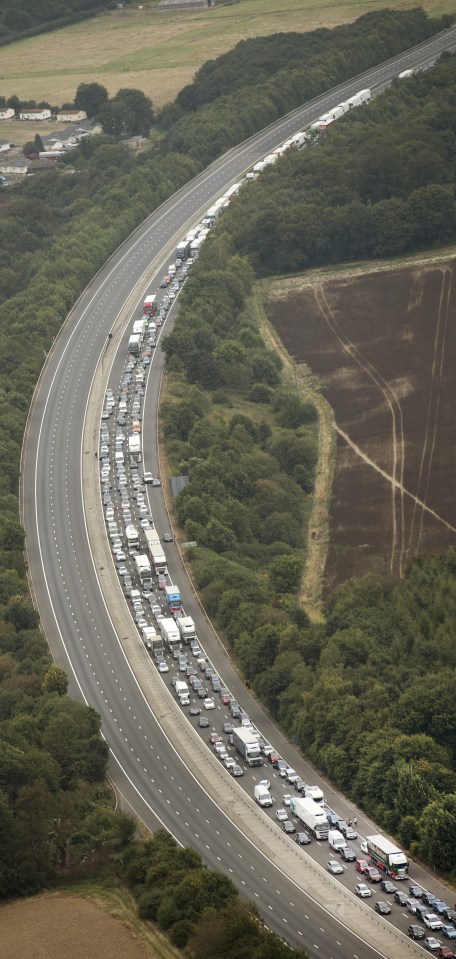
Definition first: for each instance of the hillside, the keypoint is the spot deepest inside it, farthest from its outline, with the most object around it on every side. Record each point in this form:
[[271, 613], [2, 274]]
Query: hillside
[[160, 54]]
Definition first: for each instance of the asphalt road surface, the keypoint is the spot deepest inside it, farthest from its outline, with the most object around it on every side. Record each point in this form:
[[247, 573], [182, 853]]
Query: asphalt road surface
[[164, 770]]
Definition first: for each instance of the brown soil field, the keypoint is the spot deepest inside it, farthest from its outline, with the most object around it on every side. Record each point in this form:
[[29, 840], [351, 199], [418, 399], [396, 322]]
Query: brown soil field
[[68, 927], [383, 345]]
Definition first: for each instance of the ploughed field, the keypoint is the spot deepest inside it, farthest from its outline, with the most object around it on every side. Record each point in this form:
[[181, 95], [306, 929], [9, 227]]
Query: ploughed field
[[383, 346]]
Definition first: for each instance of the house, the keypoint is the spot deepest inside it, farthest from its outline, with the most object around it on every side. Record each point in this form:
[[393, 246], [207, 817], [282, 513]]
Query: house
[[6, 113], [71, 116], [71, 135], [16, 165], [41, 113], [5, 145]]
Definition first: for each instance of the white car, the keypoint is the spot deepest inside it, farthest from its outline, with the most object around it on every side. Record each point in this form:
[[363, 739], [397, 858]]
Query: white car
[[163, 666], [432, 921], [281, 815], [362, 890], [286, 799], [229, 762], [335, 868], [209, 703], [432, 944]]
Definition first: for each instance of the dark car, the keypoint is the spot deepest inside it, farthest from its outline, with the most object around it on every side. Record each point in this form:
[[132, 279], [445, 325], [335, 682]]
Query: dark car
[[299, 785], [416, 932], [167, 538], [227, 727], [400, 897], [302, 839], [194, 711], [415, 891], [236, 770], [288, 826], [347, 854], [332, 820], [387, 886], [203, 721], [428, 897], [383, 908], [450, 914]]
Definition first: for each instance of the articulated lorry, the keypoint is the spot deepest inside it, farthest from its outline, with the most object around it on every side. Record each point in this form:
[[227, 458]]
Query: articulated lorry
[[173, 599], [311, 815], [144, 570], [134, 344], [186, 628], [131, 532], [387, 857], [134, 446], [170, 633], [247, 746], [150, 305]]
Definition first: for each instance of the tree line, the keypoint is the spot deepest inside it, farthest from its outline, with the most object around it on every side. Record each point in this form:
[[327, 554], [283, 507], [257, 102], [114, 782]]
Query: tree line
[[20, 19], [379, 182], [263, 78]]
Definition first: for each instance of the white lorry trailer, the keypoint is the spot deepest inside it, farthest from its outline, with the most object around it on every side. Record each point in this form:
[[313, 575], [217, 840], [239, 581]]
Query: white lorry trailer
[[311, 815], [186, 628], [170, 633], [144, 571], [247, 746], [387, 857]]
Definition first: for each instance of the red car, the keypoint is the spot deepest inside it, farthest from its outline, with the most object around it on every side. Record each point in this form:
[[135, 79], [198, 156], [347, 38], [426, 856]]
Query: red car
[[373, 874], [362, 865], [226, 698], [445, 952], [274, 758]]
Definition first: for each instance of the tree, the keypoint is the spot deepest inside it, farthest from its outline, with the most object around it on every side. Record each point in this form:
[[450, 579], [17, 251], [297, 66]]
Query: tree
[[437, 829], [137, 111], [55, 680], [285, 573], [219, 537], [91, 97], [39, 145]]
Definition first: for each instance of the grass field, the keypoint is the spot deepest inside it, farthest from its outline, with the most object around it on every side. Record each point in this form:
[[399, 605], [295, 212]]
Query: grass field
[[155, 53]]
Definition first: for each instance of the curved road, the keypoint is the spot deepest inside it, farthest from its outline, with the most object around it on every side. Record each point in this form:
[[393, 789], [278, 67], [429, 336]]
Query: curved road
[[72, 573]]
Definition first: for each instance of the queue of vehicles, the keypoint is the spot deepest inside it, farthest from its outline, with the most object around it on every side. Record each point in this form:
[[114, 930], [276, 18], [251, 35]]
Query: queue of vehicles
[[166, 631]]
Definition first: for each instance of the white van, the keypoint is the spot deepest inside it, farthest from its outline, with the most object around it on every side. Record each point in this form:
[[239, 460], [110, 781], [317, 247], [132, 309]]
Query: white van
[[119, 457], [336, 840]]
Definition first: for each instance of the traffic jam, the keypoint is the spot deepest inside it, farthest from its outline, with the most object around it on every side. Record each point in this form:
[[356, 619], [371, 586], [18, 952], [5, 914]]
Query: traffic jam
[[376, 865]]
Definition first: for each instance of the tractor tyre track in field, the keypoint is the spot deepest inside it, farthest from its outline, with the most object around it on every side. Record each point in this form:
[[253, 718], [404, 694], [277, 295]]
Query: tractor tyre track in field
[[397, 435], [430, 435]]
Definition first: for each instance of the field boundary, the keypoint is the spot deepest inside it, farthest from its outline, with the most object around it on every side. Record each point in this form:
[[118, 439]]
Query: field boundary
[[300, 377]]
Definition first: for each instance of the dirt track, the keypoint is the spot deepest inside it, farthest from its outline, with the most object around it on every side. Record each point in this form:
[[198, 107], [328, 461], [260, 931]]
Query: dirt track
[[384, 346]]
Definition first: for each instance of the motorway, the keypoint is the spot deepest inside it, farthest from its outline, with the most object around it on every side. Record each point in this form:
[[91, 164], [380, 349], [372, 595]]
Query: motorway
[[85, 616]]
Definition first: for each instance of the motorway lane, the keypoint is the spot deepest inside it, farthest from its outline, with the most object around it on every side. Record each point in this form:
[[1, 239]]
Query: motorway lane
[[72, 610]]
